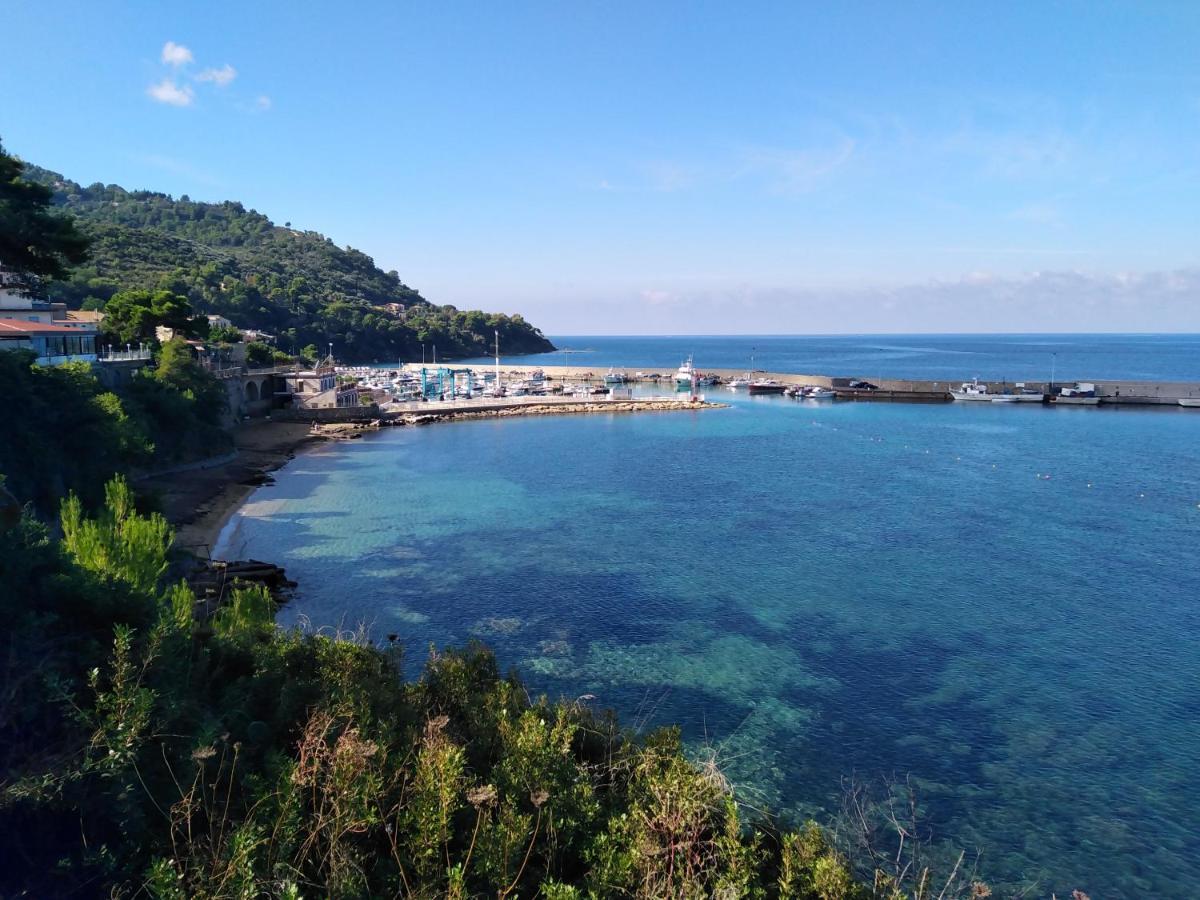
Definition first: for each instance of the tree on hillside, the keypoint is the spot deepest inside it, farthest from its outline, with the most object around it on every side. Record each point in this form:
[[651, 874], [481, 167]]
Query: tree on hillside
[[34, 243], [224, 334], [132, 316], [259, 355], [176, 368]]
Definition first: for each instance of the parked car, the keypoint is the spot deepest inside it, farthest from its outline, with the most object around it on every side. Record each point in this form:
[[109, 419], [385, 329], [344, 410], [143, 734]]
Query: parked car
[[864, 386]]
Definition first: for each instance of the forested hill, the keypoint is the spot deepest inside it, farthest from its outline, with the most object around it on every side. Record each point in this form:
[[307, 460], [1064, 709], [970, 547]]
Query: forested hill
[[298, 285]]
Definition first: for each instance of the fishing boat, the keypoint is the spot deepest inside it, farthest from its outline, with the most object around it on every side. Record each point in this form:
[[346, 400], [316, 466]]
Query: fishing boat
[[685, 373], [971, 390], [734, 383], [1082, 394], [767, 386], [615, 377]]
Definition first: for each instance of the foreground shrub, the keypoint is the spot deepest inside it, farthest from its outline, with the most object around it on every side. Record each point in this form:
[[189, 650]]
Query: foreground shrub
[[163, 756]]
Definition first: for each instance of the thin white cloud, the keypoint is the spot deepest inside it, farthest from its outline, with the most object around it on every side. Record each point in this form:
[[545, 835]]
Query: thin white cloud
[[220, 77], [666, 176], [798, 171], [174, 54], [262, 102], [167, 91]]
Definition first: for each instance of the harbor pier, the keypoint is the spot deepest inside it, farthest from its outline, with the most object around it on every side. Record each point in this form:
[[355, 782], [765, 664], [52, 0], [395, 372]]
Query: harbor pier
[[1111, 392]]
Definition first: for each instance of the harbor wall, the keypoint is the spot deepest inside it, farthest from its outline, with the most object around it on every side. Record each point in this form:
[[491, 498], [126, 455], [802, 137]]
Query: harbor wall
[[1120, 391]]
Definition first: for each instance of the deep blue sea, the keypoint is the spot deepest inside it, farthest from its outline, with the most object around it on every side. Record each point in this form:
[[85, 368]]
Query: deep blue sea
[[1000, 601], [932, 357]]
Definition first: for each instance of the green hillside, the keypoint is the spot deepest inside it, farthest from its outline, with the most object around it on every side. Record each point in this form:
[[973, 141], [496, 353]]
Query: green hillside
[[298, 285]]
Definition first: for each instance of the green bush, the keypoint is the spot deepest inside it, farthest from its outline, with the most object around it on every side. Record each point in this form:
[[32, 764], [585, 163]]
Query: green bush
[[74, 435]]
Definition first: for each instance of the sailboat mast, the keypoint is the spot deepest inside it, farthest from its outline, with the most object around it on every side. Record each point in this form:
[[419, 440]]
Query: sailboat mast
[[497, 362]]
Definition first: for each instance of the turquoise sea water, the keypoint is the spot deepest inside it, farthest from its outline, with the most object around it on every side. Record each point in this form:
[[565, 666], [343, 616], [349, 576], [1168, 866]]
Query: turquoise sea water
[[1001, 601], [933, 357]]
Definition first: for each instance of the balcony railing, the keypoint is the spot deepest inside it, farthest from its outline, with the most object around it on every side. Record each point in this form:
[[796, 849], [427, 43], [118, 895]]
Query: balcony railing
[[131, 355]]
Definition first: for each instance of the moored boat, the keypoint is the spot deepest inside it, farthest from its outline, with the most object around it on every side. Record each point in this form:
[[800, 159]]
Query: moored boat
[[615, 377], [1190, 402], [812, 392], [1022, 394], [767, 386], [1082, 394], [685, 372], [971, 390]]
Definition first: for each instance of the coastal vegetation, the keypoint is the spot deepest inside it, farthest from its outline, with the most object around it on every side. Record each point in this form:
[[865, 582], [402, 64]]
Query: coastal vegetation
[[74, 433], [226, 259], [149, 750]]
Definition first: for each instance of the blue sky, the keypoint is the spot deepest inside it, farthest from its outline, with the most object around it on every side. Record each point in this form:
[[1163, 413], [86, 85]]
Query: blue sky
[[666, 168]]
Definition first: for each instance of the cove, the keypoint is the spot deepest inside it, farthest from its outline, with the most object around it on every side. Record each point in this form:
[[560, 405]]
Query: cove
[[999, 601]]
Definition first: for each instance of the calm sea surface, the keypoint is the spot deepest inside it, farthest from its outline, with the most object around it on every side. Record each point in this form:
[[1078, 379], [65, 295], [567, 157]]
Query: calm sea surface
[[934, 357], [1001, 601]]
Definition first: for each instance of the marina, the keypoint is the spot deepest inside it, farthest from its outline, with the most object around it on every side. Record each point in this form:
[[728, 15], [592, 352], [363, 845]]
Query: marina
[[414, 383]]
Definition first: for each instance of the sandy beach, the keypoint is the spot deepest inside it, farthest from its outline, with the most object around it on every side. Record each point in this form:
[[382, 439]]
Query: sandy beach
[[199, 502]]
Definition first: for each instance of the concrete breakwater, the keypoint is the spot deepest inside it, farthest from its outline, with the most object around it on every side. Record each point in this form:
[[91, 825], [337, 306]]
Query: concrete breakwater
[[546, 406], [1122, 391], [349, 422]]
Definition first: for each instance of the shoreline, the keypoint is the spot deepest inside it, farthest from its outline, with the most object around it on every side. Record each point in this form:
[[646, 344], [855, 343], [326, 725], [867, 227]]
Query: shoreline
[[200, 502]]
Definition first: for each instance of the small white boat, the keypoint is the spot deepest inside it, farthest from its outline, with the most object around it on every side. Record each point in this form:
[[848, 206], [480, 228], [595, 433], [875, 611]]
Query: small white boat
[[734, 383], [1021, 395], [812, 392], [1190, 402], [971, 390]]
